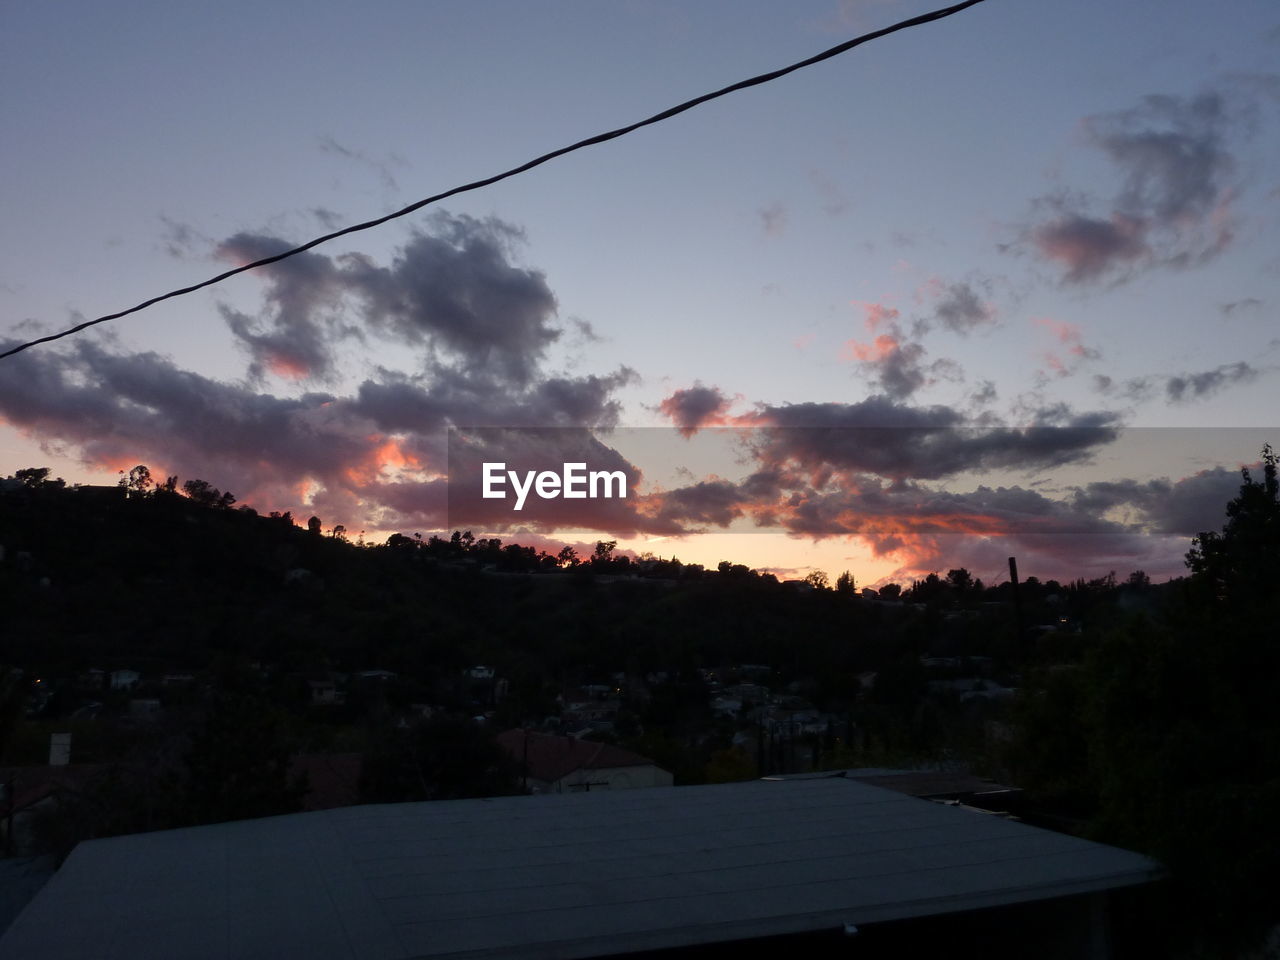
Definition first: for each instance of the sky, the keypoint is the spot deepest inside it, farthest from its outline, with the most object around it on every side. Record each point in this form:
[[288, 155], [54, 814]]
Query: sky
[[1003, 284]]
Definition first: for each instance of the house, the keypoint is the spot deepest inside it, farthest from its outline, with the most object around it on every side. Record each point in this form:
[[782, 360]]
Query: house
[[555, 764], [818, 866], [26, 792], [333, 779], [124, 679], [323, 692], [726, 706], [144, 708], [379, 676]]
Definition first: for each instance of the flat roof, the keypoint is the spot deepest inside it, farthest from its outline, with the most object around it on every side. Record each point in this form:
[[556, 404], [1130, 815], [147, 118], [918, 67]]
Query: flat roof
[[563, 876]]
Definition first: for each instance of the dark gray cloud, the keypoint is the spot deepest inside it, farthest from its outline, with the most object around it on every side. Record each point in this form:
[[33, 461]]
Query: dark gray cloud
[[961, 310], [295, 335], [900, 371], [706, 503], [1176, 182], [142, 407], [400, 403], [1183, 507], [1195, 386], [1088, 247], [1173, 154], [457, 293], [893, 361], [454, 294], [695, 407], [883, 437], [1178, 387]]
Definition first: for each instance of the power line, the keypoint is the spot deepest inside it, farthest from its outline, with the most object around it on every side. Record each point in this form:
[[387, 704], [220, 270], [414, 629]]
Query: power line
[[476, 185]]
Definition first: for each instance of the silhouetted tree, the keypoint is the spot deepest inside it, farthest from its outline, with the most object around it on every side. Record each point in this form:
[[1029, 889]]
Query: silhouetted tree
[[1138, 580], [818, 580], [238, 765], [139, 481], [1177, 726], [33, 477], [207, 495], [443, 758], [1242, 563]]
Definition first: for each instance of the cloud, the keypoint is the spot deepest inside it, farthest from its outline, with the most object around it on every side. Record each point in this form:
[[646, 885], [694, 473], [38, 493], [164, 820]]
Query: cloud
[[1179, 387], [896, 366], [456, 293], [1070, 351], [181, 240], [886, 438], [125, 409], [895, 363], [328, 218], [961, 310], [293, 337], [377, 456], [1172, 206], [834, 201], [773, 219], [374, 453], [1195, 386], [707, 503], [1173, 154], [331, 146], [1090, 248], [585, 331], [695, 407], [923, 528], [1183, 507], [1248, 304], [985, 394]]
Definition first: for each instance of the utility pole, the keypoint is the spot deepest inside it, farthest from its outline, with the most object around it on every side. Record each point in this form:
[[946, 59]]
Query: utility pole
[[1017, 606]]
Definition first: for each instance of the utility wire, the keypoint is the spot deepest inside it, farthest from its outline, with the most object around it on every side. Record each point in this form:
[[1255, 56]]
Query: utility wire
[[476, 185]]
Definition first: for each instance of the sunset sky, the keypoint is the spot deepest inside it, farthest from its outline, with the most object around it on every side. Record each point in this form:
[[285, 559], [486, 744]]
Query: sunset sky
[[1005, 284]]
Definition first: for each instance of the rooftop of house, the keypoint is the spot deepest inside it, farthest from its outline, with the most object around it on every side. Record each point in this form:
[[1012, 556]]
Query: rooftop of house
[[566, 876], [550, 757]]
